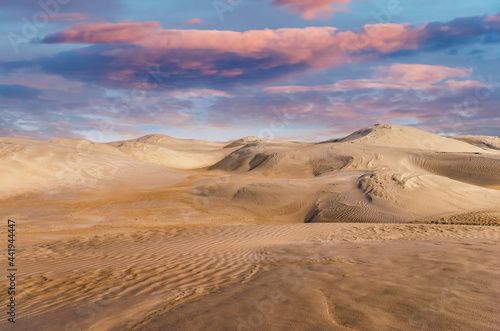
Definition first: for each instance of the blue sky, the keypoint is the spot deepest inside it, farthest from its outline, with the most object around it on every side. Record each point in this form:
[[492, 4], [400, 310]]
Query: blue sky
[[219, 70]]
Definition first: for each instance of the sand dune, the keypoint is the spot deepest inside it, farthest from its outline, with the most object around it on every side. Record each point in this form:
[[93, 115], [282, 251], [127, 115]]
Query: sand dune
[[157, 154], [372, 175], [172, 143], [378, 174], [157, 149], [158, 233], [484, 142], [31, 166], [407, 137]]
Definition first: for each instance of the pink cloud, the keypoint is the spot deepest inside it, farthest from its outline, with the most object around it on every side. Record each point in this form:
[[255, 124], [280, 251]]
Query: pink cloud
[[105, 33], [416, 75], [42, 81], [493, 18], [197, 93], [457, 84], [311, 9], [318, 46], [388, 37], [493, 21], [214, 56], [193, 21], [396, 76]]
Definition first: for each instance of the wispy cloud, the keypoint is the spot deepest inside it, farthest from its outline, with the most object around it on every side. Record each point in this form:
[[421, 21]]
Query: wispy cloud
[[193, 21], [69, 17], [396, 76], [18, 92], [310, 9]]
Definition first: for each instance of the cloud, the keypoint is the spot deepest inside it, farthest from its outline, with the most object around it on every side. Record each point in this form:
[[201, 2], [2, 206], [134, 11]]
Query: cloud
[[311, 9], [121, 52], [308, 115], [121, 55], [92, 113], [18, 92], [68, 17], [214, 79], [326, 113], [493, 20], [318, 46], [395, 76], [462, 30], [42, 82], [104, 33], [193, 21], [28, 8], [422, 75], [198, 93], [307, 42]]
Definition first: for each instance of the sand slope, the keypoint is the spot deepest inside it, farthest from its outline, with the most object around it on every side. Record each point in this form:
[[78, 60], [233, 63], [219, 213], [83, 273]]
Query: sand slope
[[484, 142], [32, 166], [407, 137], [378, 174], [267, 277]]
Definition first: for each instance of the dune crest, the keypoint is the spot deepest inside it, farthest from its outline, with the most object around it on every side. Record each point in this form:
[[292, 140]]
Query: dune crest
[[484, 142], [407, 137]]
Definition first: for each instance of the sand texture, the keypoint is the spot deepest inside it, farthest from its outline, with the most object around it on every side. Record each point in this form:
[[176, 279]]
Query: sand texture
[[389, 228]]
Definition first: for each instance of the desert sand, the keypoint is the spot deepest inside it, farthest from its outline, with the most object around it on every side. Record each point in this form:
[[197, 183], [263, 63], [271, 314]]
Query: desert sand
[[390, 227]]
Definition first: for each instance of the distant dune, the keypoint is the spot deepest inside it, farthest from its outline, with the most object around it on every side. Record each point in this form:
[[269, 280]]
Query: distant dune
[[484, 142], [384, 173]]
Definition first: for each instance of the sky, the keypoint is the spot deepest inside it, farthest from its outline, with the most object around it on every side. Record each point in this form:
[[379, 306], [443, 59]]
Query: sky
[[224, 69]]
